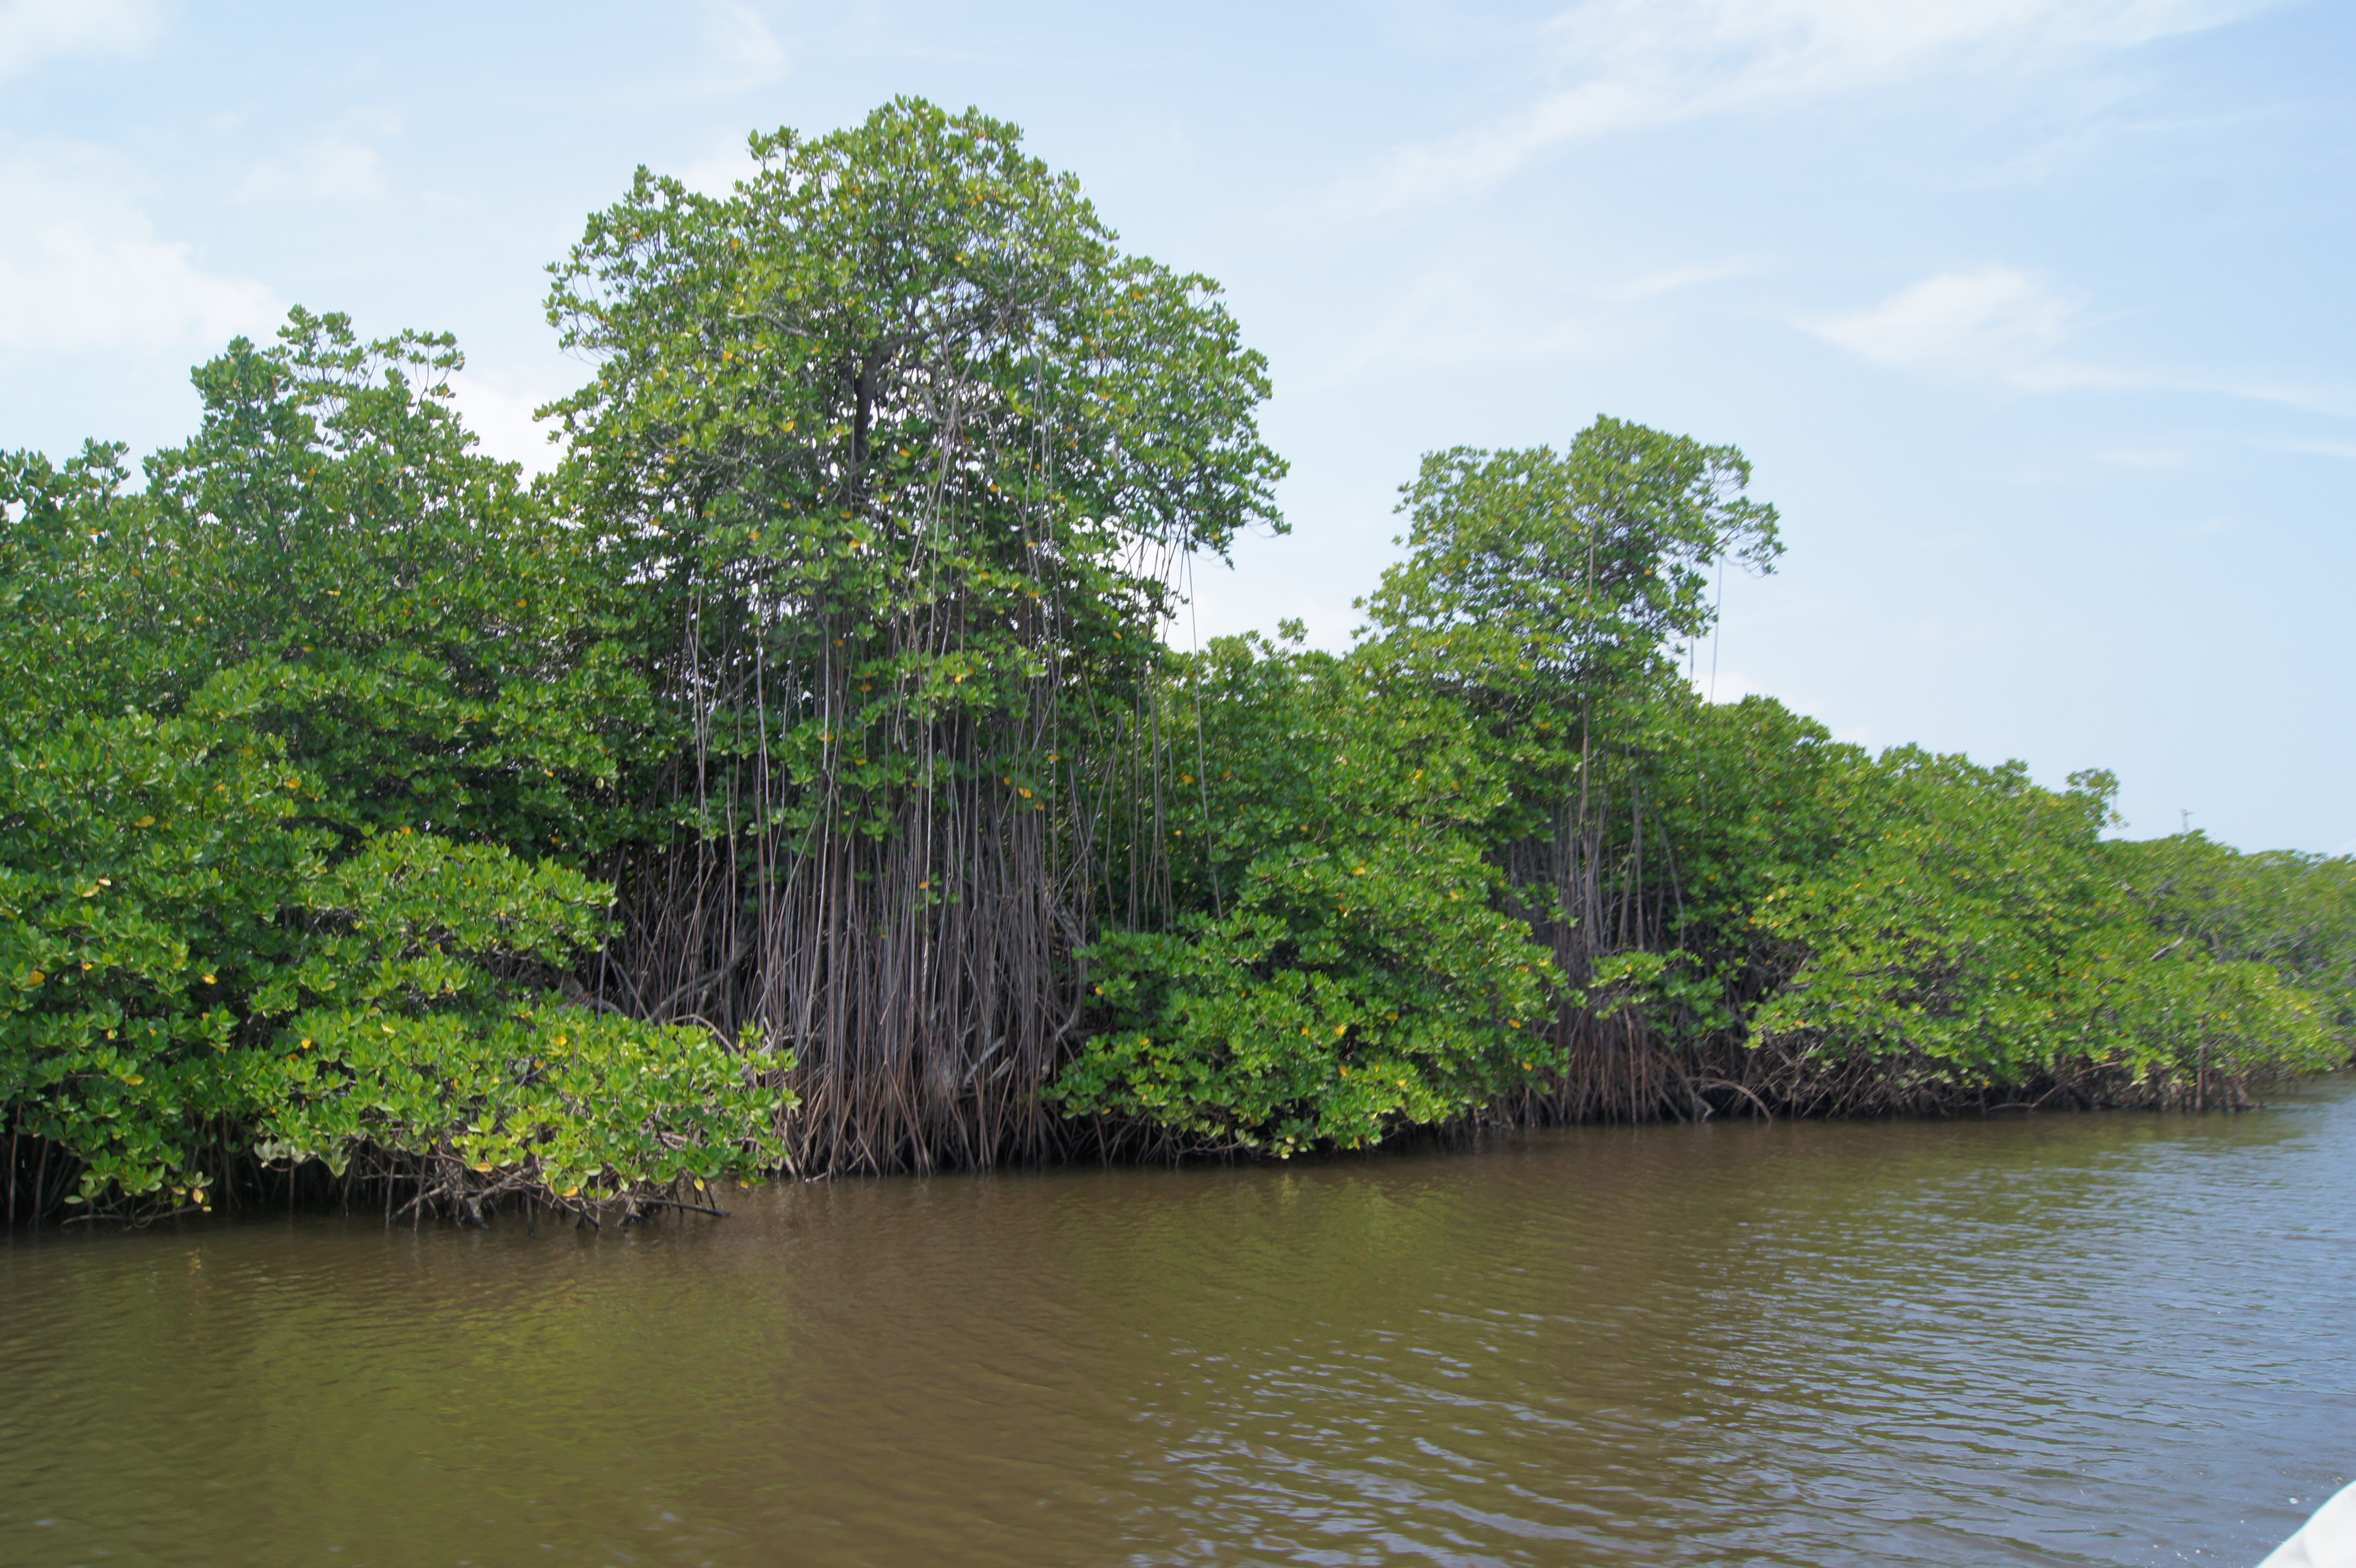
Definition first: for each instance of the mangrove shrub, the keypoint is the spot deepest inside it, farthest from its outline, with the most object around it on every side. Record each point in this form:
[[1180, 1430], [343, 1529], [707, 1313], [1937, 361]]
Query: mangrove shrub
[[901, 446]]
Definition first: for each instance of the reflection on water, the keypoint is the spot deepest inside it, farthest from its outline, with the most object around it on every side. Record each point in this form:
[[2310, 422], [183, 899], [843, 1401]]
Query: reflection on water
[[2115, 1339]]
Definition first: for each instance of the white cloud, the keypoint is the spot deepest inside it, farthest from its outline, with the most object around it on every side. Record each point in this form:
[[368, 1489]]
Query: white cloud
[[1507, 306], [2316, 448], [1722, 685], [1993, 322], [1675, 280], [717, 174], [34, 30], [331, 169], [82, 267], [1633, 64], [499, 412], [1999, 324], [1479, 313], [2145, 457], [2337, 400], [749, 54]]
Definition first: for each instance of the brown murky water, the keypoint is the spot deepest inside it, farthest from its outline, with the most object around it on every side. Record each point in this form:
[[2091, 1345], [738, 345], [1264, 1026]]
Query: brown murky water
[[2067, 1339]]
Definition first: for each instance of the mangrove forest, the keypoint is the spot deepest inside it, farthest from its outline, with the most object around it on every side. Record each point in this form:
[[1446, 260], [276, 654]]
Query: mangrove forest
[[796, 776]]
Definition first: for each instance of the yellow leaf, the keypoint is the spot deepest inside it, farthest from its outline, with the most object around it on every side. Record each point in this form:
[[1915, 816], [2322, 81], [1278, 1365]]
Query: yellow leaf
[[144, 822], [208, 979]]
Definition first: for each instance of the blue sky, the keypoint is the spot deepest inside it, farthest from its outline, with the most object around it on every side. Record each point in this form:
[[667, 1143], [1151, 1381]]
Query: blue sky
[[2033, 317]]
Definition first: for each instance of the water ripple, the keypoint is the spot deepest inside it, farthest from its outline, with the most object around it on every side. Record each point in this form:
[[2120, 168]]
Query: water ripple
[[2068, 1341]]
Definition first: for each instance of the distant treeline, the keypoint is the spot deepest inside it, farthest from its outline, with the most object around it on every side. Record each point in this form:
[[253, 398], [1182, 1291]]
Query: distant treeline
[[796, 777]]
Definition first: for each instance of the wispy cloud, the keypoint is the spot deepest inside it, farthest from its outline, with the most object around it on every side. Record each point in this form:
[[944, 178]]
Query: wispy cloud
[[1675, 280], [2308, 397], [1462, 316], [2145, 457], [1508, 306], [331, 169], [2316, 448], [32, 31], [747, 53], [1999, 324], [1996, 322], [82, 267], [1626, 65]]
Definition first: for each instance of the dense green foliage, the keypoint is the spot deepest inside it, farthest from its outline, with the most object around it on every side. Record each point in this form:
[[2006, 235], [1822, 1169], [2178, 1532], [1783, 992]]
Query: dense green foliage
[[886, 427], [895, 446], [796, 774], [1670, 908], [1973, 928], [255, 713], [1339, 966], [2295, 913]]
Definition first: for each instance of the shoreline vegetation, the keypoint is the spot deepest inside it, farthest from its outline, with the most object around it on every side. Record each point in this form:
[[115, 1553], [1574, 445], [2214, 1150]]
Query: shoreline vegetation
[[794, 780]]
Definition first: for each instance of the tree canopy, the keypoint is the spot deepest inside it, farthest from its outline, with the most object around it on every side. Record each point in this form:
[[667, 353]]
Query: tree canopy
[[796, 776]]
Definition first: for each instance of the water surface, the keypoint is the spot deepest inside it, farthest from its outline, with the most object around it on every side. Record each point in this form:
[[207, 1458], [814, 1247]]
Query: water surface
[[2062, 1339]]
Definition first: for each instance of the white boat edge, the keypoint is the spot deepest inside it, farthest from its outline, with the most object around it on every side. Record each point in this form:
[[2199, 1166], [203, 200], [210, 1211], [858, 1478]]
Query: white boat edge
[[2328, 1538]]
